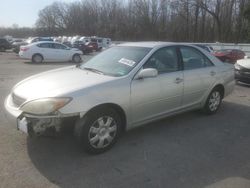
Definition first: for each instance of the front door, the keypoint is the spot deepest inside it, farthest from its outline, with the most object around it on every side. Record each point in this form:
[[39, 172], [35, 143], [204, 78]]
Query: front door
[[152, 97]]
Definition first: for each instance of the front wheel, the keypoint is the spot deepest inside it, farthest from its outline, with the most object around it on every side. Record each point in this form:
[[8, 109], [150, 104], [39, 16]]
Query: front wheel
[[213, 101], [76, 58], [99, 130]]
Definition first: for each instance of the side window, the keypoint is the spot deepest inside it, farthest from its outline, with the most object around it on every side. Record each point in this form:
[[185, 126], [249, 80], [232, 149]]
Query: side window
[[45, 45], [193, 59], [164, 60], [59, 46]]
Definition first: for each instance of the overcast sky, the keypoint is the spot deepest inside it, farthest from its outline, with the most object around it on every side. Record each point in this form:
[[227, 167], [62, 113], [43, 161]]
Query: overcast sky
[[22, 12]]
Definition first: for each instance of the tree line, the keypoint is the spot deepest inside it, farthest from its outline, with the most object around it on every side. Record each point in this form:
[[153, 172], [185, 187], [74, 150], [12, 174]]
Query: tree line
[[167, 20]]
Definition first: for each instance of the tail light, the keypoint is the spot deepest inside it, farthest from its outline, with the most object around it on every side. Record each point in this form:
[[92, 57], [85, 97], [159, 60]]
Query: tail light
[[24, 48]]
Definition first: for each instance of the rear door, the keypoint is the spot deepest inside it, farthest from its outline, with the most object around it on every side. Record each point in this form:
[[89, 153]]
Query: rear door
[[46, 49], [152, 97], [199, 75]]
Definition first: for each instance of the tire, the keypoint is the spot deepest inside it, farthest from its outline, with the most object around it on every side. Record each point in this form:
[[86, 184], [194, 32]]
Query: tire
[[99, 130], [213, 102], [37, 58], [76, 58]]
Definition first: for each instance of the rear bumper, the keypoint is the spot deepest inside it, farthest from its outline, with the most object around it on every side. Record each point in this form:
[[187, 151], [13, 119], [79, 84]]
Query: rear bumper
[[23, 55]]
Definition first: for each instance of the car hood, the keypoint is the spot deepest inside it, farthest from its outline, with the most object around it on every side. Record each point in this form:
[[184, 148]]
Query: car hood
[[244, 63], [59, 82]]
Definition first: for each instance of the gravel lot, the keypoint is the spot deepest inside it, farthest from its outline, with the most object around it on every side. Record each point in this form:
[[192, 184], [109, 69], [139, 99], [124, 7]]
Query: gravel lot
[[186, 151]]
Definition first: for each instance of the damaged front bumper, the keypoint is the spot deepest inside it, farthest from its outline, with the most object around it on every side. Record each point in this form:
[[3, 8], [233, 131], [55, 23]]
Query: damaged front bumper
[[34, 124]]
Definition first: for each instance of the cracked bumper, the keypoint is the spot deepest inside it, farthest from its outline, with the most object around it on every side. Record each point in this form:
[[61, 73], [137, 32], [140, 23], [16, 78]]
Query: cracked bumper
[[35, 124]]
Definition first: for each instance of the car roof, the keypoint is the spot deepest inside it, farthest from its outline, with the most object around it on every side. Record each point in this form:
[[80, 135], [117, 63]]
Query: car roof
[[40, 42]]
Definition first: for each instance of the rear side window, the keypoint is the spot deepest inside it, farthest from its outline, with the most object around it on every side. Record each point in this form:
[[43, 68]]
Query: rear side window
[[193, 58], [45, 45]]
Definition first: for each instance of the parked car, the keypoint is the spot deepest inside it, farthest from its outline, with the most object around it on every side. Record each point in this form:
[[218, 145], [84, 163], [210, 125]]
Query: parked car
[[14, 41], [98, 41], [67, 43], [242, 70], [229, 55], [88, 47], [119, 89], [85, 39], [92, 46], [16, 46], [205, 47], [81, 46], [77, 44], [4, 44], [49, 51]]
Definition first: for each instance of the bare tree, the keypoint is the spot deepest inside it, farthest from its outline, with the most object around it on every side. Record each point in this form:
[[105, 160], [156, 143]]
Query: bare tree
[[174, 20]]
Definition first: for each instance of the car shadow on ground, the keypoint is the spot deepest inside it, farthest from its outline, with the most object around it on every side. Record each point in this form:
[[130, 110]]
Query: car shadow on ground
[[188, 150]]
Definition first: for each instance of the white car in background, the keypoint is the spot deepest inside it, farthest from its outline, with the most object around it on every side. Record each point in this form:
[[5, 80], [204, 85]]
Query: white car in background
[[50, 52]]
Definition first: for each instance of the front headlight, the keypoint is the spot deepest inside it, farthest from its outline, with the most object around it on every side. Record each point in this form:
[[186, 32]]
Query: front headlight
[[237, 66], [45, 105]]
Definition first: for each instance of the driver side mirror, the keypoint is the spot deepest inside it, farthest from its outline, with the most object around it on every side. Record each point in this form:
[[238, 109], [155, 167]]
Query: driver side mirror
[[147, 73]]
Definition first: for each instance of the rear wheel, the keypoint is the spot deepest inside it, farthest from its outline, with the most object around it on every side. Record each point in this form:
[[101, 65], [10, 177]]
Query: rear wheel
[[213, 101], [99, 130], [37, 58], [76, 58]]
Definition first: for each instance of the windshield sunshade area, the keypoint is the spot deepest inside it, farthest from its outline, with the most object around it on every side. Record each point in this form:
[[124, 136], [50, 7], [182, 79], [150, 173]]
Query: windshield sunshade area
[[116, 61]]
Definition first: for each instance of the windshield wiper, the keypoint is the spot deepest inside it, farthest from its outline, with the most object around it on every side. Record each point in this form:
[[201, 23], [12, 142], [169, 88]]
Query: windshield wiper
[[94, 70]]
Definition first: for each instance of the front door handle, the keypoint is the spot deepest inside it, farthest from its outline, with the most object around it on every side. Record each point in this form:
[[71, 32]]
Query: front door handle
[[212, 73], [178, 80]]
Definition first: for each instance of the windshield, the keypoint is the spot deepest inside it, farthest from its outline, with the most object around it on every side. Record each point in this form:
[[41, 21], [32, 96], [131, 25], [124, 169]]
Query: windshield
[[116, 61]]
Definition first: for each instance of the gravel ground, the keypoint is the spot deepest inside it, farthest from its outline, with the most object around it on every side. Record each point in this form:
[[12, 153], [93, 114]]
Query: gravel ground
[[186, 151]]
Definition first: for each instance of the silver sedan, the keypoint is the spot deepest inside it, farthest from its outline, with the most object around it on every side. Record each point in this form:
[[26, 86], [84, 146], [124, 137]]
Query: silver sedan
[[121, 88]]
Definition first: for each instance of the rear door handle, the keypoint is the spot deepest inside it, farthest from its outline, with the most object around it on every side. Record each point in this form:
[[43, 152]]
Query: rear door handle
[[212, 73], [178, 80]]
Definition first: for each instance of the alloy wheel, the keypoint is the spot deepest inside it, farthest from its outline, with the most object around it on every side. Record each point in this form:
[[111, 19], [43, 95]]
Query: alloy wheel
[[214, 101], [102, 132]]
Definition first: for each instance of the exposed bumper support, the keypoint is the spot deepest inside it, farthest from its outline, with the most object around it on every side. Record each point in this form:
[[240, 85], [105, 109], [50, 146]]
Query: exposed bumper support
[[34, 124]]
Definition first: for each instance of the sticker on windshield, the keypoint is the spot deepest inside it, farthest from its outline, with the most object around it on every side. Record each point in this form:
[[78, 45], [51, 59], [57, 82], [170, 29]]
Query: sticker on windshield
[[127, 62]]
